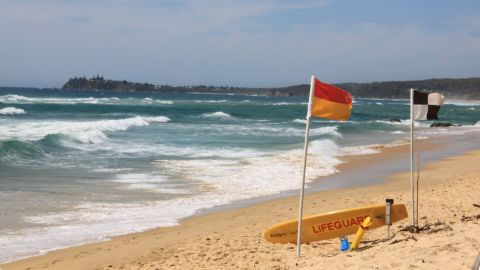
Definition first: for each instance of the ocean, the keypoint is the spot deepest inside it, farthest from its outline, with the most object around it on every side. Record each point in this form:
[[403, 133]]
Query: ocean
[[79, 167]]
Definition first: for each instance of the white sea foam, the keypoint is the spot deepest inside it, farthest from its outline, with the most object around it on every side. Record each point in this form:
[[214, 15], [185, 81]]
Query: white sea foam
[[300, 121], [148, 182], [96, 222], [258, 129], [360, 150], [210, 101], [252, 176], [228, 180], [379, 103], [184, 151], [83, 131], [332, 130], [453, 130], [462, 103], [217, 115], [23, 99], [281, 104], [112, 169], [148, 100], [17, 99], [11, 111], [12, 98], [165, 102], [404, 122], [369, 149]]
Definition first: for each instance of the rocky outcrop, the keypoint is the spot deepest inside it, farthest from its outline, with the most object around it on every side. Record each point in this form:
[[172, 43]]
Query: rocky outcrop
[[441, 125]]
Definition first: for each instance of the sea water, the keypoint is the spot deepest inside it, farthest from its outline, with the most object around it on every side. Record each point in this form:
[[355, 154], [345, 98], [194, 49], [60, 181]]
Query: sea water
[[78, 167]]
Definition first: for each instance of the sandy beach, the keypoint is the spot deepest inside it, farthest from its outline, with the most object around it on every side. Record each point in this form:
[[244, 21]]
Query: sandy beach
[[232, 239], [165, 135]]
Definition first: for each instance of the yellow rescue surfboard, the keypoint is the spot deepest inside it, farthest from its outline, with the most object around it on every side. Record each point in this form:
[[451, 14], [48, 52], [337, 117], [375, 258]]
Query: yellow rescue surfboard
[[333, 224]]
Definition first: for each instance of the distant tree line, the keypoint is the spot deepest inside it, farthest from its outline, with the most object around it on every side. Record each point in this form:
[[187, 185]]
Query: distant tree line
[[99, 83], [468, 88]]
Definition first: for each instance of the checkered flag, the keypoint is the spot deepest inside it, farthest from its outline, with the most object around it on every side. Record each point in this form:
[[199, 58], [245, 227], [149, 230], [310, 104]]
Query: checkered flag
[[426, 105]]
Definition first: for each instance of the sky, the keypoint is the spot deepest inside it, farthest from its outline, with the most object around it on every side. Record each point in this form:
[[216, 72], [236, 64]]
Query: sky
[[251, 43]]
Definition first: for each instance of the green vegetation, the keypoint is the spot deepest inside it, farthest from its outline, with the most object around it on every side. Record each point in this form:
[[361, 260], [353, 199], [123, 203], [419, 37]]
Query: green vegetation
[[99, 83], [468, 88]]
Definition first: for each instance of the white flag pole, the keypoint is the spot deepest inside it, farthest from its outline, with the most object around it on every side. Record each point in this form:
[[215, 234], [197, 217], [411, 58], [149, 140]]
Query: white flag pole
[[302, 189], [412, 126], [416, 189]]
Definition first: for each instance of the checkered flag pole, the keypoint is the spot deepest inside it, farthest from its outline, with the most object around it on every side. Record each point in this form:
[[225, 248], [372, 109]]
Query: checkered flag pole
[[412, 127], [423, 106]]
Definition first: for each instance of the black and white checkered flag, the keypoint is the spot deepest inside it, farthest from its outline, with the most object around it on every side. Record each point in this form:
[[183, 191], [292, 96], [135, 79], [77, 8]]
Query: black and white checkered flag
[[426, 105]]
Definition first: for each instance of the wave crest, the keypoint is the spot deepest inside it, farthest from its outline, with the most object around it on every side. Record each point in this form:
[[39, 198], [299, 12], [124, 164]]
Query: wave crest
[[13, 149], [11, 111], [17, 99], [281, 104], [12, 98], [333, 131], [210, 101], [300, 121], [217, 115], [89, 132]]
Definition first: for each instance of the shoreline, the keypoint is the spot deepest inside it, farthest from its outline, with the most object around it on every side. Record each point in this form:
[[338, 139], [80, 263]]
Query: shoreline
[[96, 253], [353, 166]]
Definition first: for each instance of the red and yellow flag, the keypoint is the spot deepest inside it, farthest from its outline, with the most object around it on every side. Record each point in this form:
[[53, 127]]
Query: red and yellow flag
[[330, 102]]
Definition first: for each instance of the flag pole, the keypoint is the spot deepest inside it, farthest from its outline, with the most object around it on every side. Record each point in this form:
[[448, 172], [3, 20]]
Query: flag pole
[[416, 190], [412, 126], [302, 189]]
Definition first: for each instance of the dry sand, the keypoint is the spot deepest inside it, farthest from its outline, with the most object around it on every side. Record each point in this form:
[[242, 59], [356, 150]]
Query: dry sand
[[449, 239]]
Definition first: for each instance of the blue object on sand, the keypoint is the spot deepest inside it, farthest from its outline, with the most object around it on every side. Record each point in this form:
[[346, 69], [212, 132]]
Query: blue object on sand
[[344, 244]]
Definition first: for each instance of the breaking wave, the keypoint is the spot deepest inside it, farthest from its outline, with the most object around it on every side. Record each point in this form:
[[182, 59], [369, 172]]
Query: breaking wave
[[217, 115], [82, 131], [14, 149], [11, 111], [18, 99], [300, 121], [210, 101]]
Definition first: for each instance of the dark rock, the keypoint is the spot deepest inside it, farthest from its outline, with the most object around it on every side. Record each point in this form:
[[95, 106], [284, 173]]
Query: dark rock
[[394, 120], [441, 125]]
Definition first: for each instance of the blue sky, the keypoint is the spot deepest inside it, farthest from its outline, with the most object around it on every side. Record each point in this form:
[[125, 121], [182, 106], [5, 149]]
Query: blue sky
[[240, 43]]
